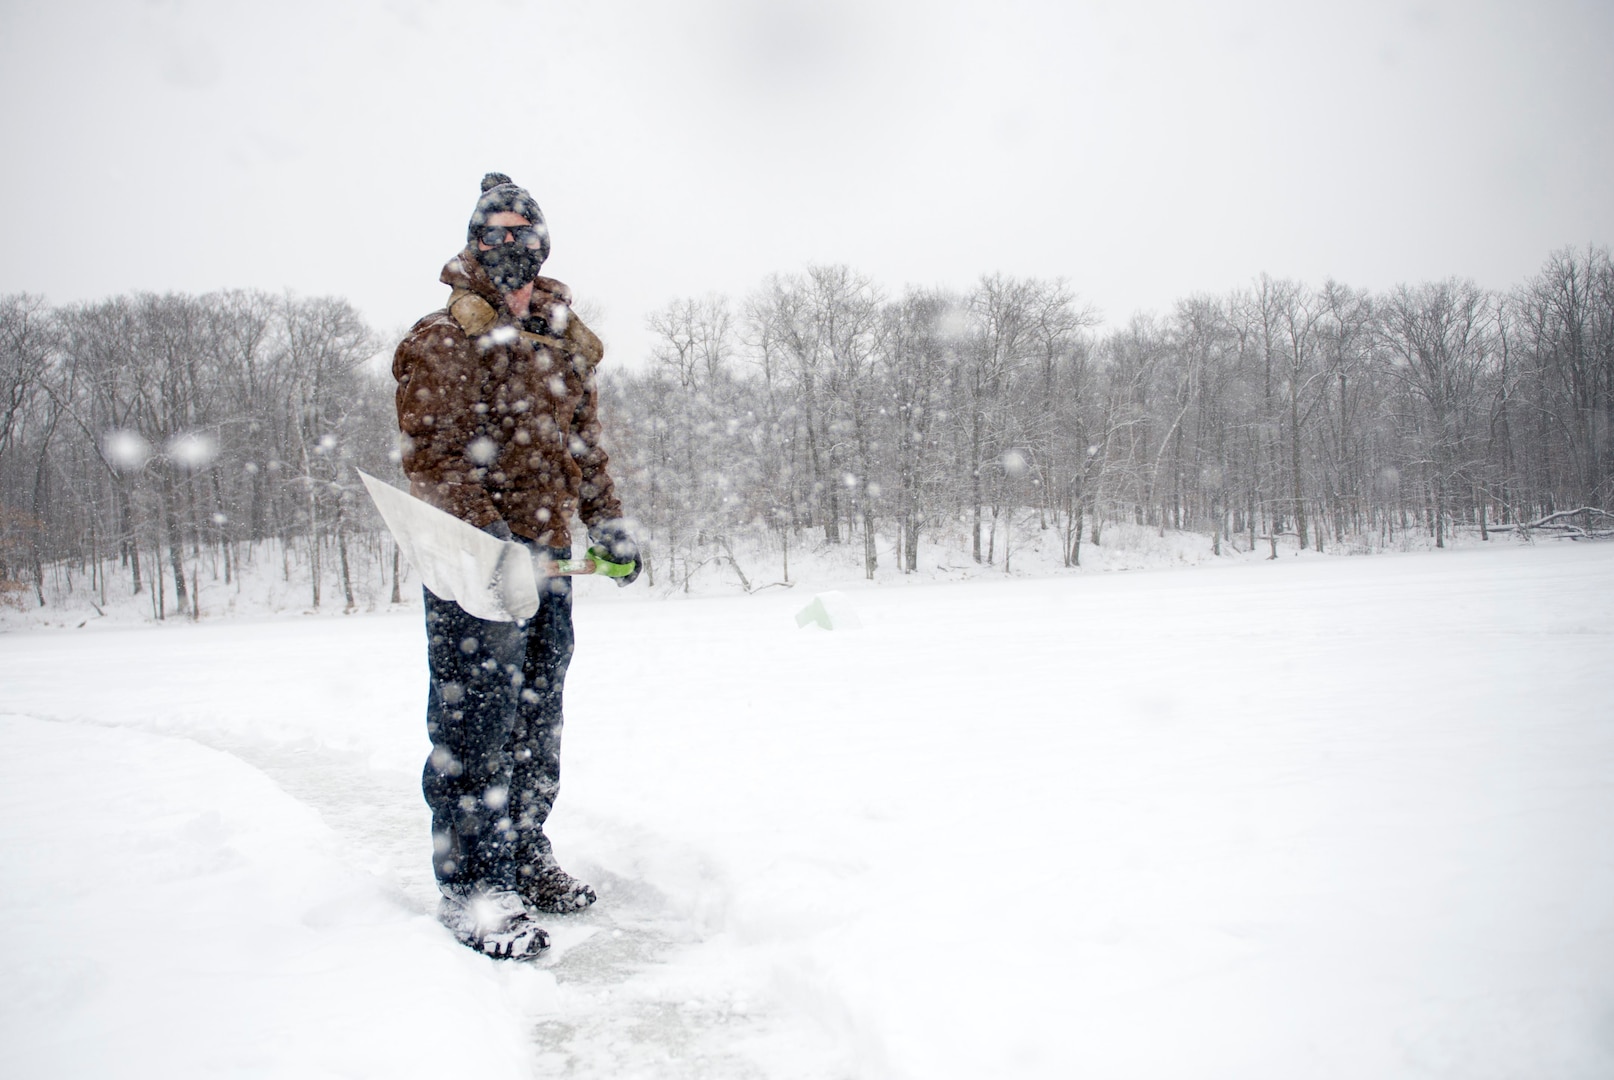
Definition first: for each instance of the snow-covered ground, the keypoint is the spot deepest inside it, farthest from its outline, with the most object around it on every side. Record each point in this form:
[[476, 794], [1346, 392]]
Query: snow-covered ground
[[1314, 817]]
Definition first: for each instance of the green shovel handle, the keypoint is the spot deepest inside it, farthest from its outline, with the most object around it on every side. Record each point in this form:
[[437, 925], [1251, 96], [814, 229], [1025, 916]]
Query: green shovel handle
[[597, 562]]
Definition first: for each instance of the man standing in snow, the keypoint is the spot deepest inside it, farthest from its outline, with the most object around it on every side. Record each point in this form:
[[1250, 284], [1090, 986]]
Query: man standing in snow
[[499, 417]]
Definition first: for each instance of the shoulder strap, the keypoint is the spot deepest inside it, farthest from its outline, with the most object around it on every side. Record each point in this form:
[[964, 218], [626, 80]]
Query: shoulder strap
[[473, 313], [584, 341]]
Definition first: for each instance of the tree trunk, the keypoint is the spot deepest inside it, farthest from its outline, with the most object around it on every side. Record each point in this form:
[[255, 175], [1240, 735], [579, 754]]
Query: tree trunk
[[871, 556], [176, 543], [1294, 466], [313, 543], [347, 577]]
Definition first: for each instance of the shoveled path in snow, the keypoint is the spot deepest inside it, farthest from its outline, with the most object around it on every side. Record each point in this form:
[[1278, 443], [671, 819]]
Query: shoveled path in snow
[[1324, 817], [196, 792]]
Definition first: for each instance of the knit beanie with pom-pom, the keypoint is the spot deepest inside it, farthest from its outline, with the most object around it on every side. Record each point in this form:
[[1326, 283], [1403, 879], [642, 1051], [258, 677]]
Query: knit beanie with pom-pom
[[499, 192]]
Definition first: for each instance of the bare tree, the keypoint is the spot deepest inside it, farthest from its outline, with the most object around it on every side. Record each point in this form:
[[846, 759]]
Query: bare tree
[[1437, 338]]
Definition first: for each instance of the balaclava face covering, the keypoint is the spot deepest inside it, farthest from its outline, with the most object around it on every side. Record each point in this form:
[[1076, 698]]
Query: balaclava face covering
[[512, 265]]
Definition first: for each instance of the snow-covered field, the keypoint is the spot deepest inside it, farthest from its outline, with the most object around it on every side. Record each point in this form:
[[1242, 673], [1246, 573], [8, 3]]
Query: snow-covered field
[[1307, 818]]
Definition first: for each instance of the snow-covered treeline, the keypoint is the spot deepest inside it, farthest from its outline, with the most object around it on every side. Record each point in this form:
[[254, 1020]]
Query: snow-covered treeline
[[145, 434], [1325, 414]]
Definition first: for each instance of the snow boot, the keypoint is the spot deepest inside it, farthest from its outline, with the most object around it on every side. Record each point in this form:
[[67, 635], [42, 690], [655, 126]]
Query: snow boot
[[545, 886], [494, 922]]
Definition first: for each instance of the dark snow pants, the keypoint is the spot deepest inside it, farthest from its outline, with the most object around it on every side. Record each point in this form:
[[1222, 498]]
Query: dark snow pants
[[494, 718]]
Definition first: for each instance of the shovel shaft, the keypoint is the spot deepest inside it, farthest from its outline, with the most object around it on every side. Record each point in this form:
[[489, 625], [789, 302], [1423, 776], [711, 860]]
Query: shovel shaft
[[568, 567]]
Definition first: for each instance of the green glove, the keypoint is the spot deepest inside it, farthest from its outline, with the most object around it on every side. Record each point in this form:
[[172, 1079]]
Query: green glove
[[603, 564], [611, 538]]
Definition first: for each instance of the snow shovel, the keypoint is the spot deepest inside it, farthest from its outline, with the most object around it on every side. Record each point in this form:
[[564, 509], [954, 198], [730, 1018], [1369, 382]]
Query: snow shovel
[[492, 579]]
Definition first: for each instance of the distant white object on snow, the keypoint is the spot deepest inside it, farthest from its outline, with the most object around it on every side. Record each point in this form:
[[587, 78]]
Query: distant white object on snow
[[831, 610]]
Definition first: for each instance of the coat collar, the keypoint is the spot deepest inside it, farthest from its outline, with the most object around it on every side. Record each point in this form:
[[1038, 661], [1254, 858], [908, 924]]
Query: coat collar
[[464, 272]]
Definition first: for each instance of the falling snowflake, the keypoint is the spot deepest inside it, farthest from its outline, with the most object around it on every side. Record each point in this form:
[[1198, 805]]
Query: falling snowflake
[[126, 449], [192, 450], [483, 450]]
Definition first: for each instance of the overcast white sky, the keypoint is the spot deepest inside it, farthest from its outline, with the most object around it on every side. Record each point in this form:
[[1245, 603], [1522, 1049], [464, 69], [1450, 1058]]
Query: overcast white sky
[[1142, 150]]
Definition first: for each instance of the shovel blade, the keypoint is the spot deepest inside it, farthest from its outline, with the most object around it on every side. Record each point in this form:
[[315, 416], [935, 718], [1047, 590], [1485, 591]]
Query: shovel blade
[[490, 578]]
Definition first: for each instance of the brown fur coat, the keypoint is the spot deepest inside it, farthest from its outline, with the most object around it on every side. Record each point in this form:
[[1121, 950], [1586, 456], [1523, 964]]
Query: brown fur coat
[[500, 421]]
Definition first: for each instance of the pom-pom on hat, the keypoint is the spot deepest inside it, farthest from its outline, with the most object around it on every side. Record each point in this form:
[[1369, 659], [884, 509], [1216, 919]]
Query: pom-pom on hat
[[499, 192]]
